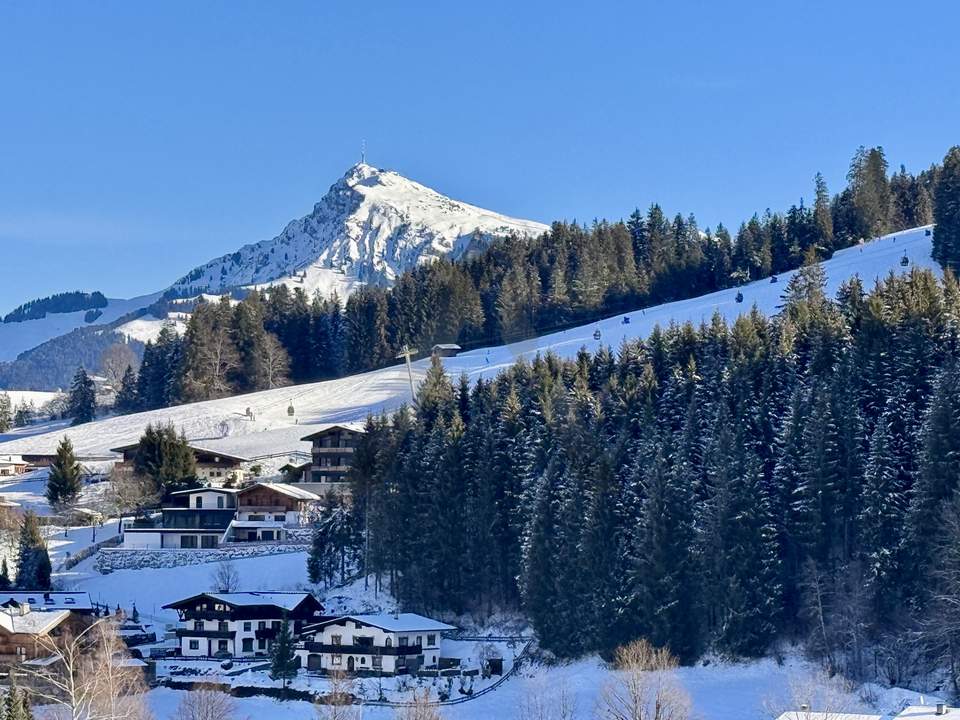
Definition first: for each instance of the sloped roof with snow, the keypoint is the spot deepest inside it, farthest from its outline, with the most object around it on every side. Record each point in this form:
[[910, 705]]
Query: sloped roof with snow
[[357, 427], [402, 622], [46, 600], [283, 488], [283, 600], [32, 623]]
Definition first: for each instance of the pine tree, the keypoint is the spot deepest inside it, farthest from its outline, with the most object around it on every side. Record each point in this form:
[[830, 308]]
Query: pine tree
[[821, 212], [938, 479], [64, 483], [127, 400], [165, 456], [6, 413], [33, 562], [946, 213], [283, 659], [82, 404], [5, 582], [750, 591], [881, 519]]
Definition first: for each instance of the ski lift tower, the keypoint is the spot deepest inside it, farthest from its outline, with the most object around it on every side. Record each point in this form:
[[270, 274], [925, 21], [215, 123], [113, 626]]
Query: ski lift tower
[[405, 353]]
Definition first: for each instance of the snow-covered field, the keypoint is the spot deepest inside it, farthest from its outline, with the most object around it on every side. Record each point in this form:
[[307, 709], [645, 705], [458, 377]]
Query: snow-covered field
[[38, 397], [224, 425], [719, 691]]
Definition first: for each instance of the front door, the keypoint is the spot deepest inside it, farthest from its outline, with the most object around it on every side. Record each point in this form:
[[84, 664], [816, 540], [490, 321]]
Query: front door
[[350, 664]]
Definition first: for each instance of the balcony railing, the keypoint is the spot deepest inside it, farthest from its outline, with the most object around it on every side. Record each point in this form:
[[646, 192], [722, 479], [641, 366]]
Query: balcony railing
[[216, 634], [362, 649]]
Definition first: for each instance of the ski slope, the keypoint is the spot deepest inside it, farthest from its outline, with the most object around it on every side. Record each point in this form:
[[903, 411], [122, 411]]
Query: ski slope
[[224, 425]]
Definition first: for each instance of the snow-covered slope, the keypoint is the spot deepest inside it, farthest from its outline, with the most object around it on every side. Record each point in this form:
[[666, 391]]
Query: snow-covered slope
[[17, 337], [223, 424], [371, 226]]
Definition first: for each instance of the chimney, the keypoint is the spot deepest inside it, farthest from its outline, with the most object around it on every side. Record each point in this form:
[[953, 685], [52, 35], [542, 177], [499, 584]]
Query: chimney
[[941, 709]]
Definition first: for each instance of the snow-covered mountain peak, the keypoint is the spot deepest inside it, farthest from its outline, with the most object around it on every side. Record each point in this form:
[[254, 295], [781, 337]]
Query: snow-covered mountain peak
[[371, 226]]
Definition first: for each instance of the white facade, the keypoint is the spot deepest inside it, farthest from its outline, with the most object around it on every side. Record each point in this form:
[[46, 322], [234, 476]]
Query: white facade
[[378, 644], [240, 638]]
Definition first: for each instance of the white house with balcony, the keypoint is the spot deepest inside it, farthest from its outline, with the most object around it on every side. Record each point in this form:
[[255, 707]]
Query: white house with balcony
[[267, 511], [385, 644], [240, 624]]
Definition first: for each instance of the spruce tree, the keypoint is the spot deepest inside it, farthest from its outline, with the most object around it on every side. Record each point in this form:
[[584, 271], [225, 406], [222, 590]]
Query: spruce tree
[[6, 412], [82, 403], [33, 561], [165, 456], [283, 659], [127, 400], [881, 520], [5, 582], [64, 483], [821, 212], [946, 213], [938, 479]]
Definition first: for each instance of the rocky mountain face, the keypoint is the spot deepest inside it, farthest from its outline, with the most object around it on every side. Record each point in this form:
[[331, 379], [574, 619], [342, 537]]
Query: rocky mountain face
[[370, 227]]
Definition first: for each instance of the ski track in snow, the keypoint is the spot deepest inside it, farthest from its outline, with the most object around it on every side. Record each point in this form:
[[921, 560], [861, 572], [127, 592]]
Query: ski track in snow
[[222, 424]]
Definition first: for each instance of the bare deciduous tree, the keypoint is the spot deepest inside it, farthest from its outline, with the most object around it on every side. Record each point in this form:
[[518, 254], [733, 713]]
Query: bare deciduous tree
[[114, 362], [645, 687], [206, 703], [275, 363], [421, 707], [129, 493], [226, 577], [91, 676], [815, 694], [543, 700], [338, 703]]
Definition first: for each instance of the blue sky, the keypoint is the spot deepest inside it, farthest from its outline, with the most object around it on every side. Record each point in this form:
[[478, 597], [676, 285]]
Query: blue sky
[[138, 140]]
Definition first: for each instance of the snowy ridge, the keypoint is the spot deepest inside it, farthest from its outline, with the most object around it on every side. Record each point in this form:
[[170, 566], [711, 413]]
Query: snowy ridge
[[18, 337], [370, 227], [224, 424]]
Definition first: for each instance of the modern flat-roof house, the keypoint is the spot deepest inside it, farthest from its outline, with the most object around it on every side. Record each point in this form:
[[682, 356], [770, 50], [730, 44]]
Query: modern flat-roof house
[[332, 452], [376, 644], [193, 519], [266, 511], [11, 465], [204, 518], [240, 624], [213, 466], [28, 617]]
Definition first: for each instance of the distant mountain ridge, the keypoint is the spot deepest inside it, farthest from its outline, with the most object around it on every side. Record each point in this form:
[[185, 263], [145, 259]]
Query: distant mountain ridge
[[370, 227]]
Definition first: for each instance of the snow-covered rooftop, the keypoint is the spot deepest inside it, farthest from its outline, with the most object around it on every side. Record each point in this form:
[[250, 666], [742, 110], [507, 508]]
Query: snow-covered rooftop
[[31, 623], [284, 600], [402, 622], [928, 712], [48, 600], [283, 488]]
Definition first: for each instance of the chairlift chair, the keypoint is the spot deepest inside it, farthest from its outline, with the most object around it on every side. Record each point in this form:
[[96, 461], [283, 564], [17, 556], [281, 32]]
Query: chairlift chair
[[904, 261], [596, 334], [626, 320], [739, 297], [773, 278]]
